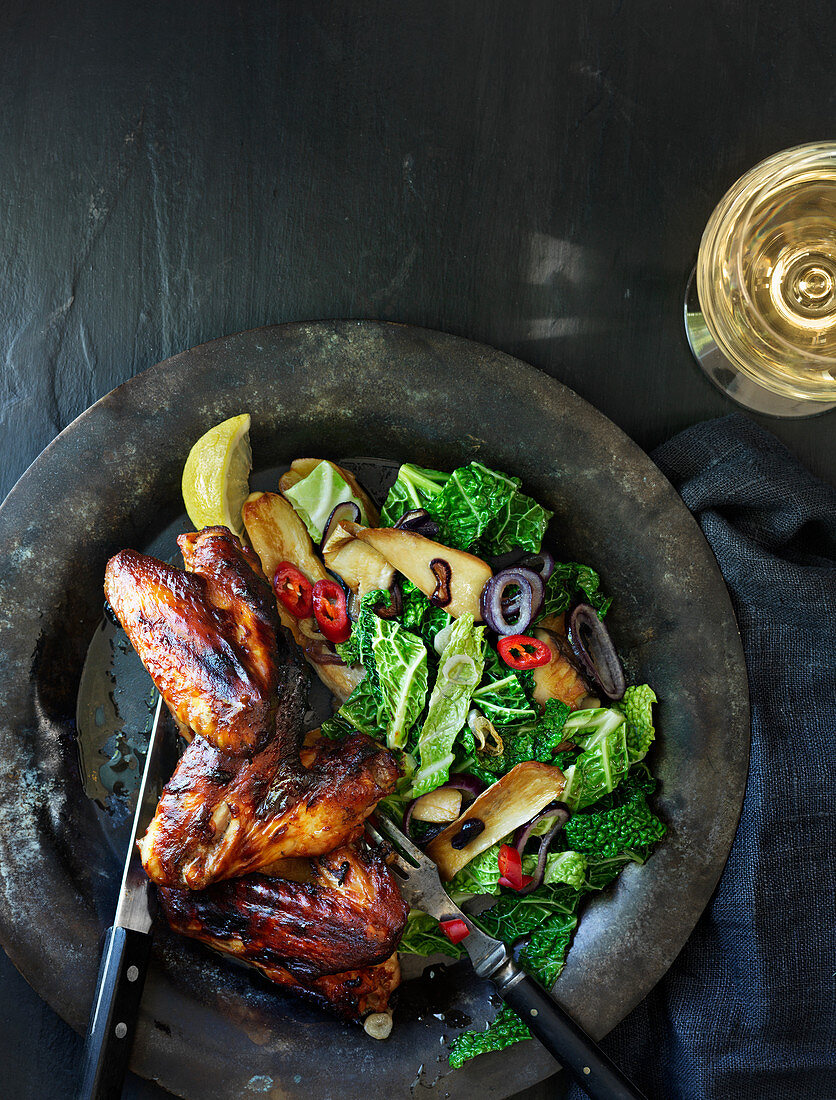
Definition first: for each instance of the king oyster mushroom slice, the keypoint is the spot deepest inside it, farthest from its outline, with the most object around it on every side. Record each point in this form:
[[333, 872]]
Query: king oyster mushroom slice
[[361, 566], [414, 556], [301, 467], [504, 806], [277, 534]]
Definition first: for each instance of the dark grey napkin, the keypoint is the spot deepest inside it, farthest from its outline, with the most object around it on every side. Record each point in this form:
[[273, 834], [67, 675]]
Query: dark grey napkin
[[748, 1010]]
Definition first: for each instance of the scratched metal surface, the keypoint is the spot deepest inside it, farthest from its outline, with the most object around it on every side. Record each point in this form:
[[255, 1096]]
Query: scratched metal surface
[[118, 471], [533, 175]]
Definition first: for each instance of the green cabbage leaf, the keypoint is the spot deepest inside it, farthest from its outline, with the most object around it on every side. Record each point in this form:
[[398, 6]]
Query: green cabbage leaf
[[460, 669], [637, 708], [603, 762], [484, 510], [413, 488], [422, 936], [391, 696], [502, 696], [480, 876], [572, 581], [315, 497]]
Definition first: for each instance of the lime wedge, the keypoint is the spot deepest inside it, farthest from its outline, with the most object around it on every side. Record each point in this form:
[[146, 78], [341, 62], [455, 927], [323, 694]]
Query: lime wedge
[[216, 475]]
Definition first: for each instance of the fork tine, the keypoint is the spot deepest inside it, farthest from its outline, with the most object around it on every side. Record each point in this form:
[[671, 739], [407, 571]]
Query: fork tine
[[373, 833], [395, 858], [394, 834]]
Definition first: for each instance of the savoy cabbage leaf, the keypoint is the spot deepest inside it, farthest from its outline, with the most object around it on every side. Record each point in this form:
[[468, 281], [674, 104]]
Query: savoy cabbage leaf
[[485, 509], [392, 694], [479, 876], [419, 615], [528, 741], [414, 487], [315, 497], [567, 867], [623, 826], [400, 661], [637, 708], [459, 671], [502, 1032], [572, 581], [502, 695], [422, 936], [603, 762]]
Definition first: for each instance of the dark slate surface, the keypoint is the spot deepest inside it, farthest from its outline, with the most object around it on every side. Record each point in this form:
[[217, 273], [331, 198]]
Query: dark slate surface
[[535, 176]]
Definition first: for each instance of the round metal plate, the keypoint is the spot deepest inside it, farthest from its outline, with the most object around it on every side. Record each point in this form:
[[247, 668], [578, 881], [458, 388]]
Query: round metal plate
[[112, 479]]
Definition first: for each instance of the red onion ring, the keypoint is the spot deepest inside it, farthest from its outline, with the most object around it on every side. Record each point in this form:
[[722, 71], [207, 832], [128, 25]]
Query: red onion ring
[[344, 512], [561, 814], [592, 645], [531, 594], [523, 832], [541, 563], [420, 522], [505, 561]]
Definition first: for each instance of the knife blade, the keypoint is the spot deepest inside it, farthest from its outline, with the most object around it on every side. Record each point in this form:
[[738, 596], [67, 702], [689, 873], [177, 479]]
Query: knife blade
[[127, 949]]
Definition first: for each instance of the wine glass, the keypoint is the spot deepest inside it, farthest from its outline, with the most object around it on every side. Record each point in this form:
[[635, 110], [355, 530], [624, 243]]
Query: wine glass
[[760, 308]]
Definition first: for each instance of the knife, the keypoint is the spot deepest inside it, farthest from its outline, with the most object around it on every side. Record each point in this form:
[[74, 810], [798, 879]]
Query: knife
[[127, 949]]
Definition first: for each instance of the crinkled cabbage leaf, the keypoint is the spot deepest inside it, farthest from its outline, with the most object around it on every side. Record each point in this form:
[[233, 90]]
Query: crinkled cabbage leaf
[[414, 487], [483, 509], [571, 581], [460, 669]]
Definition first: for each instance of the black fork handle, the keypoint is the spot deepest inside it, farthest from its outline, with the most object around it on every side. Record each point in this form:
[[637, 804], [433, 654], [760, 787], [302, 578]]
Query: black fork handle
[[579, 1055]]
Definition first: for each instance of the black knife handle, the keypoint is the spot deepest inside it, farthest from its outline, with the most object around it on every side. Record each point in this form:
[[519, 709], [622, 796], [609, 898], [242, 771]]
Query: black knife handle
[[110, 1033], [579, 1055]]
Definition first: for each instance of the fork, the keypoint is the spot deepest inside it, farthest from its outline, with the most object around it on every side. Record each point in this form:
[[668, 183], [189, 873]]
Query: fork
[[579, 1055]]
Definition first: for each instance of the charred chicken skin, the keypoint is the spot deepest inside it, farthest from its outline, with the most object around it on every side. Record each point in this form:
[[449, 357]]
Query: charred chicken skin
[[207, 635], [210, 637], [245, 794], [348, 915], [219, 818], [352, 995]]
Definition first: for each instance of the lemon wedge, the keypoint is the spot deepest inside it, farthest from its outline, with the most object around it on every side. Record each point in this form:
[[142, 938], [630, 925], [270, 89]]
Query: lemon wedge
[[216, 475]]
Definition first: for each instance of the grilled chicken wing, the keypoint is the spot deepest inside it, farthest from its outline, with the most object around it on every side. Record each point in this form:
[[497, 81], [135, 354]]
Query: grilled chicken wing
[[219, 817], [348, 914], [352, 995], [208, 636]]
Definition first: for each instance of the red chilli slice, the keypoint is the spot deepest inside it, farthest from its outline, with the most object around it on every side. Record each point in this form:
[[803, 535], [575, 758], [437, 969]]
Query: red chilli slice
[[330, 611], [293, 589], [521, 651], [526, 879], [510, 868], [454, 930]]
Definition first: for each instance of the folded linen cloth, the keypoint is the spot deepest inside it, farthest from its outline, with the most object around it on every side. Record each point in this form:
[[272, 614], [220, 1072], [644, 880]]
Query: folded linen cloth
[[748, 1010]]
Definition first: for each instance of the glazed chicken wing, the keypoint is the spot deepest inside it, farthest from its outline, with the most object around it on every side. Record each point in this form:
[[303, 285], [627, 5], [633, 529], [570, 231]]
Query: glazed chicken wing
[[345, 915], [352, 995], [219, 818], [245, 795], [208, 635]]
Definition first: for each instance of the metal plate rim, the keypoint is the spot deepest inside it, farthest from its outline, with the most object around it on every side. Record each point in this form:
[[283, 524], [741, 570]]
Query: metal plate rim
[[342, 338]]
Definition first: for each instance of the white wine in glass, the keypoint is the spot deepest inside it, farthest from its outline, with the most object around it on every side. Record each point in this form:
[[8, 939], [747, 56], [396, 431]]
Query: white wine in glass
[[760, 309]]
